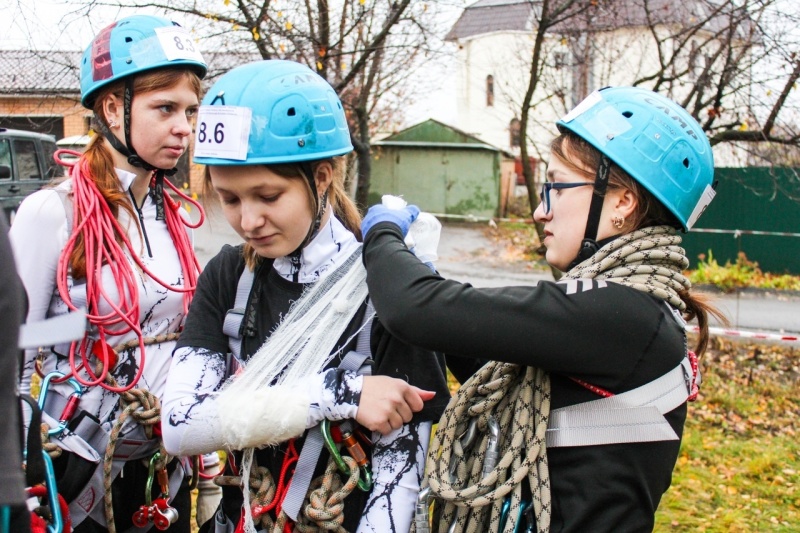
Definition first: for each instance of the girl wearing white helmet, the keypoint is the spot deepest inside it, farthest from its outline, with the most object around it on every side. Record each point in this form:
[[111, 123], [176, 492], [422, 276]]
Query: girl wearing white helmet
[[589, 377], [110, 240], [274, 364]]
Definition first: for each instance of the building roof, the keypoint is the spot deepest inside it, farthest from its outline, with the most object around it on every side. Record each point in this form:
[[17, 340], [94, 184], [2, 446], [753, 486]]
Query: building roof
[[34, 72], [489, 16], [39, 72], [434, 134]]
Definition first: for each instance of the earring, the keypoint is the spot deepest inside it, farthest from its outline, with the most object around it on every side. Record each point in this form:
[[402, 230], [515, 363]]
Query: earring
[[113, 124], [618, 221]]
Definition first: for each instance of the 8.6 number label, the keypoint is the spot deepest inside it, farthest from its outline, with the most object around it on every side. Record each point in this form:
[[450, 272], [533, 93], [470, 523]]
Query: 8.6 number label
[[216, 136]]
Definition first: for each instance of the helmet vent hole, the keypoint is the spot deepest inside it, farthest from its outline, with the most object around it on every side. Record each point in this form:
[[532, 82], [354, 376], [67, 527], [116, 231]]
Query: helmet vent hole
[[128, 39], [291, 112], [686, 162], [627, 114]]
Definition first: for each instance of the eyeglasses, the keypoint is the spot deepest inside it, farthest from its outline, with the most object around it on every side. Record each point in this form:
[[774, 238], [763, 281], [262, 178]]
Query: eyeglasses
[[544, 193]]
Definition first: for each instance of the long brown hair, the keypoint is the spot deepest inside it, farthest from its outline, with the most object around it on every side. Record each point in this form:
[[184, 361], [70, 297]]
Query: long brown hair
[[343, 206], [580, 156], [97, 155]]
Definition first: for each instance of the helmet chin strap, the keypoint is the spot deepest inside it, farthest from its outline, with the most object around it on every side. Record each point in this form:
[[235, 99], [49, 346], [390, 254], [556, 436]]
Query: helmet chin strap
[[127, 150], [589, 243], [320, 204]]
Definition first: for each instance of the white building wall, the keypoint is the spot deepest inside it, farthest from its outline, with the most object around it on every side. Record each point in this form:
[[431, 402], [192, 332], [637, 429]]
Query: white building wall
[[618, 58]]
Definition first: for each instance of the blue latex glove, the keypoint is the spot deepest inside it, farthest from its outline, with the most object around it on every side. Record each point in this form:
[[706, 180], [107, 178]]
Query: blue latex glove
[[399, 217]]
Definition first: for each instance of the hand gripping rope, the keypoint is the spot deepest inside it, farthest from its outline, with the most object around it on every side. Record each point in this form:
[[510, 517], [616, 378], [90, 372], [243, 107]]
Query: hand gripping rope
[[105, 243]]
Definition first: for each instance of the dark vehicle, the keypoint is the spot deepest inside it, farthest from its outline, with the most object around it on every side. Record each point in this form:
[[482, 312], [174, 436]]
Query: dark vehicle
[[26, 164]]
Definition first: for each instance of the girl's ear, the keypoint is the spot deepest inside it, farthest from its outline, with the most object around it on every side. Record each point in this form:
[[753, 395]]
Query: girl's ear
[[323, 176], [113, 109], [626, 202]]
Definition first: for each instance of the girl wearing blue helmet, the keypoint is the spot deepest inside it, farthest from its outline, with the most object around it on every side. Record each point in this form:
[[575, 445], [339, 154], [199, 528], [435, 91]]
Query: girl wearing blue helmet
[[282, 362], [589, 376], [109, 239]]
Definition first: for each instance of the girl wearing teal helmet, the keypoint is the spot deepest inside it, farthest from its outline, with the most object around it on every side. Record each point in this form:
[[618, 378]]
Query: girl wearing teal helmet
[[282, 362], [110, 240], [588, 377]]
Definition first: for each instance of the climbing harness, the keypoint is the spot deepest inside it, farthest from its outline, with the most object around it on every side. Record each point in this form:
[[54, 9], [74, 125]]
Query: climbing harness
[[347, 280]]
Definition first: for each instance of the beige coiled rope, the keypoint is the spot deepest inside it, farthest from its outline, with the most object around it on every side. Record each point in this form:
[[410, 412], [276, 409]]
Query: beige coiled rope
[[519, 399], [324, 504], [144, 407]]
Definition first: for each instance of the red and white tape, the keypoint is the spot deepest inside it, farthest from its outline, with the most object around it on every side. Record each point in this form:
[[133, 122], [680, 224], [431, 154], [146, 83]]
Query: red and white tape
[[749, 334]]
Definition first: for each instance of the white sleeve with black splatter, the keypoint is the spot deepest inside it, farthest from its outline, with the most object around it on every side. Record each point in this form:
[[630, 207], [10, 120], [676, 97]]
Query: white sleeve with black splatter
[[398, 463], [334, 395], [189, 411]]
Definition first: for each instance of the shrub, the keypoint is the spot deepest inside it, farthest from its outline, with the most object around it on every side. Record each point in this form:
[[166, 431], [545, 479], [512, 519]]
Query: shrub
[[742, 273]]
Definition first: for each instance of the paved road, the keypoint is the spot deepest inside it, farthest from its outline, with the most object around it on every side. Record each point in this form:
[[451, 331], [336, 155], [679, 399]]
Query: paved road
[[467, 255]]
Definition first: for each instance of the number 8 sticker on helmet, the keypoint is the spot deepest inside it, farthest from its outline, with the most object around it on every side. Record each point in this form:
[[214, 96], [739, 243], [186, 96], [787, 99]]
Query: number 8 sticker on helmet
[[222, 131], [177, 43]]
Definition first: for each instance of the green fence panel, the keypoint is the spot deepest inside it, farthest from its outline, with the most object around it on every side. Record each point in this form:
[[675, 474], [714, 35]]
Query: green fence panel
[[752, 201]]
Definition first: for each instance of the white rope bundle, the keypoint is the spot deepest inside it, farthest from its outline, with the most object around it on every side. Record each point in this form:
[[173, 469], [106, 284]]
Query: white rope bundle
[[301, 346], [303, 342]]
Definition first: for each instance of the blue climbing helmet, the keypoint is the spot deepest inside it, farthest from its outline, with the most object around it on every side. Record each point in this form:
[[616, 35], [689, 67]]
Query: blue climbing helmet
[[656, 141], [133, 45], [288, 113]]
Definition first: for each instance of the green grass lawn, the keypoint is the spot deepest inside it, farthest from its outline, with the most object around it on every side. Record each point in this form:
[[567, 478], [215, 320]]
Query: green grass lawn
[[740, 460]]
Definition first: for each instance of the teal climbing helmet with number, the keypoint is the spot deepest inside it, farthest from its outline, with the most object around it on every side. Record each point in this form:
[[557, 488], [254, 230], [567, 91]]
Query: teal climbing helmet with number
[[656, 141], [134, 45], [270, 112]]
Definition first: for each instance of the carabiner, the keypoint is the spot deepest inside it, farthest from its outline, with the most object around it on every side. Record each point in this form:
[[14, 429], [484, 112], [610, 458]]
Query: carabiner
[[365, 477], [504, 514], [421, 511], [163, 480], [466, 438], [57, 523], [525, 511], [492, 447], [72, 401]]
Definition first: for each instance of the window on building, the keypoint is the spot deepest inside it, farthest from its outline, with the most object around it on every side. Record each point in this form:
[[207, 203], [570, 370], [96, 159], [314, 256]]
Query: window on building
[[514, 133], [489, 90]]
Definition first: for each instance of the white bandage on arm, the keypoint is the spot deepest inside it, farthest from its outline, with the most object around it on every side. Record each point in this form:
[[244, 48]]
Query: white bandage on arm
[[265, 417], [198, 419]]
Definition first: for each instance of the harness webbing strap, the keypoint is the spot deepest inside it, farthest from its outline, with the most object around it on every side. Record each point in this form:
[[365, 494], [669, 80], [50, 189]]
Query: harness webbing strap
[[232, 327], [312, 447], [633, 416]]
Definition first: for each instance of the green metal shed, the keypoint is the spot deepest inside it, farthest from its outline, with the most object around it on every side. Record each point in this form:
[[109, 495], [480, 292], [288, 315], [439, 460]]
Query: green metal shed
[[440, 169]]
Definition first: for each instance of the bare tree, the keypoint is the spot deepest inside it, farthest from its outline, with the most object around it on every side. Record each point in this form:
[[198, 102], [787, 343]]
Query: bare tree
[[364, 48], [733, 64]]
